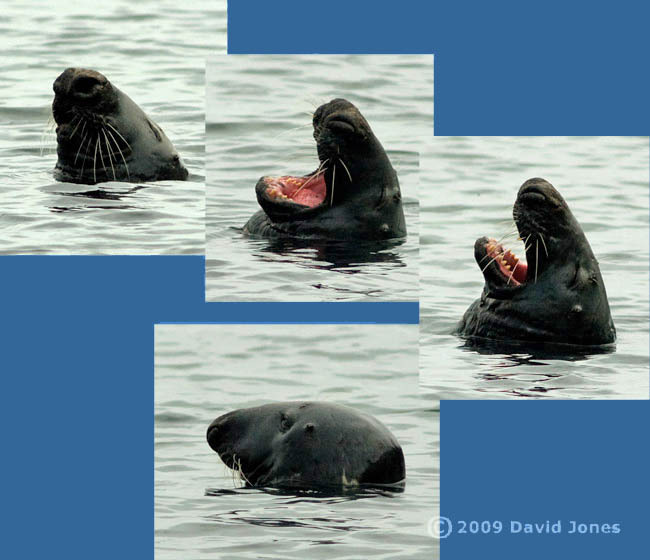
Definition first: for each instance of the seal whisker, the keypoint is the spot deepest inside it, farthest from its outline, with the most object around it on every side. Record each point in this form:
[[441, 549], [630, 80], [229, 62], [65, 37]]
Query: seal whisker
[[333, 178], [47, 130], [101, 155], [118, 133], [318, 172], [110, 157], [128, 176], [493, 259], [293, 130], [83, 138], [241, 472], [81, 119], [506, 236], [512, 274], [536, 259], [83, 162], [543, 243], [346, 168], [95, 161]]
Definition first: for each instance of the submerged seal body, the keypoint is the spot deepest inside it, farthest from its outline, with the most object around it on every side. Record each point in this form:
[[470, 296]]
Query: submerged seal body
[[102, 135], [307, 444], [558, 296], [354, 193]]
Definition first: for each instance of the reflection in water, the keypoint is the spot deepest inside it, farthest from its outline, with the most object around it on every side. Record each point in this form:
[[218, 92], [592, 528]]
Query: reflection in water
[[335, 494], [97, 194], [517, 353], [331, 255], [510, 356], [103, 194], [292, 497]]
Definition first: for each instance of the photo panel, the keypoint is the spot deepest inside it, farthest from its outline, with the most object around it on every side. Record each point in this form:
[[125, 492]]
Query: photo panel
[[534, 268], [312, 176], [104, 136], [312, 477]]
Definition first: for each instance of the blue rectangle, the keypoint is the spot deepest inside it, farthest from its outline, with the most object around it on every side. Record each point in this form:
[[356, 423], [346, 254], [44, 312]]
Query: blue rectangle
[[533, 462]]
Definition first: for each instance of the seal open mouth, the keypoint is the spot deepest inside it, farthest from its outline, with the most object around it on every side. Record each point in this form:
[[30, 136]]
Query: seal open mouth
[[341, 134], [538, 225], [306, 191], [287, 197], [502, 265]]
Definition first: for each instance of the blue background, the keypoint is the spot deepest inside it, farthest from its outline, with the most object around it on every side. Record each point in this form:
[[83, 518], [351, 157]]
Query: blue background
[[77, 332]]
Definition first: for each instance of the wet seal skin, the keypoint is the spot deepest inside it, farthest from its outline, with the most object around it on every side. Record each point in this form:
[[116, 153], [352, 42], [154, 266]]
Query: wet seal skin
[[557, 296], [354, 193], [308, 445], [102, 135]]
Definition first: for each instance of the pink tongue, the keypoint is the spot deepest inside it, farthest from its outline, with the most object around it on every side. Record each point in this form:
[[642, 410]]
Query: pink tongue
[[308, 198], [308, 191]]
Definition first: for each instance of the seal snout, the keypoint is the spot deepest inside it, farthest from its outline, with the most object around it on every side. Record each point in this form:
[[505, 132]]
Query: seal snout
[[536, 188], [214, 434], [79, 83], [85, 86]]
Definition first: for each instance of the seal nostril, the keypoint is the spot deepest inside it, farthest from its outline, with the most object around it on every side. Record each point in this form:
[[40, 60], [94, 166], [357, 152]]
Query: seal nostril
[[339, 123], [309, 427], [212, 434], [84, 84]]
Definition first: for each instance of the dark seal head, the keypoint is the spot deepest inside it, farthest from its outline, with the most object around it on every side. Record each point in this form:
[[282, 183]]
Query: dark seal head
[[102, 135], [558, 295], [307, 444], [354, 193]]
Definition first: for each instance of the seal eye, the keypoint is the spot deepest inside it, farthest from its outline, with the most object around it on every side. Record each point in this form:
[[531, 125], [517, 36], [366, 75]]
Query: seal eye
[[285, 423]]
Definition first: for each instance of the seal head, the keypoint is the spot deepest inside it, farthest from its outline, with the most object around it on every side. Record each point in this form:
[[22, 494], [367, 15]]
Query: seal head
[[557, 295], [102, 135], [353, 194], [306, 444]]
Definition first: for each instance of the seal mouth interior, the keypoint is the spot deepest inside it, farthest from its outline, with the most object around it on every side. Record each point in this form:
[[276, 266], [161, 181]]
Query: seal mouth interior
[[512, 269], [309, 191]]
